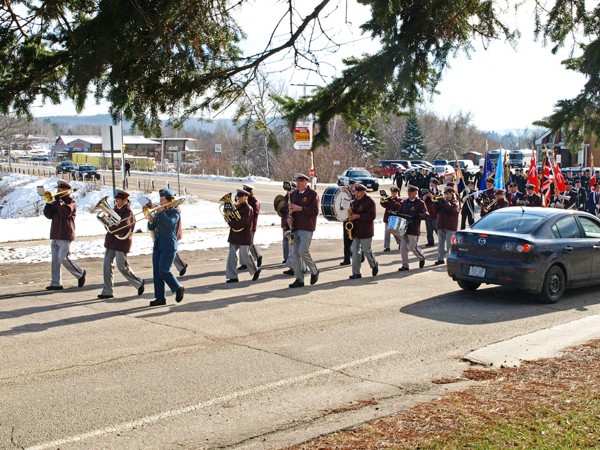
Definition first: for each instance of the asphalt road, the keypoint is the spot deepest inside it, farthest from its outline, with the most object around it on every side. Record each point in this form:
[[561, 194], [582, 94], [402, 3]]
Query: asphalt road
[[250, 365]]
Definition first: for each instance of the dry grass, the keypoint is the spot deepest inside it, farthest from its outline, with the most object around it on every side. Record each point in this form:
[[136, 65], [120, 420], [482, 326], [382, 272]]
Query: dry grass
[[545, 404]]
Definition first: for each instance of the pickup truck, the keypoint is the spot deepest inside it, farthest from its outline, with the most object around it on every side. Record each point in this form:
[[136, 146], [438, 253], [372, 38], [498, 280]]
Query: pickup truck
[[387, 169]]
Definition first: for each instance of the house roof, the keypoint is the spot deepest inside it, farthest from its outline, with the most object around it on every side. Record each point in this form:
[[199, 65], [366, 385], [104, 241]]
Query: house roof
[[94, 139]]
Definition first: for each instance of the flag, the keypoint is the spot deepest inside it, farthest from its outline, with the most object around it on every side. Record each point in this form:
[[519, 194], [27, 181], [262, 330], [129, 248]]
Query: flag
[[506, 168], [488, 169], [593, 175], [460, 185], [532, 174], [546, 180], [499, 177], [560, 184]]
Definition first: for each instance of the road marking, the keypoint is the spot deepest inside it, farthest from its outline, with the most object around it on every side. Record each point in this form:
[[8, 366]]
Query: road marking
[[215, 401]]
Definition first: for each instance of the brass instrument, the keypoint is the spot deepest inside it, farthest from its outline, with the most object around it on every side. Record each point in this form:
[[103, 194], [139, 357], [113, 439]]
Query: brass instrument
[[147, 211], [228, 209], [349, 226], [384, 197], [109, 217], [486, 204], [48, 198], [434, 198]]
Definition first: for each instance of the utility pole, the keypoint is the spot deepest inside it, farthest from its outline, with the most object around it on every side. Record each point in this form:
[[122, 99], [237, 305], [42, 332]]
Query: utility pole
[[312, 172]]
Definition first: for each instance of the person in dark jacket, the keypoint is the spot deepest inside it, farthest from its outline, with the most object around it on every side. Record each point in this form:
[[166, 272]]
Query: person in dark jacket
[[392, 205], [363, 229], [532, 199], [468, 205], [62, 211], [447, 211], [255, 204], [164, 224], [514, 196], [593, 203], [414, 210], [429, 196], [304, 207], [240, 239], [345, 236], [581, 195], [398, 179], [117, 244]]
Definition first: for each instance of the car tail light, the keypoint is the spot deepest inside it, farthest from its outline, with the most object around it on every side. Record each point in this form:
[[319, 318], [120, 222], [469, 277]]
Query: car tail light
[[519, 247], [457, 239]]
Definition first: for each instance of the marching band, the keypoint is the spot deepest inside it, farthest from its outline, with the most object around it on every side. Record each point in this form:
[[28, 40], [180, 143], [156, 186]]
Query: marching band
[[298, 210]]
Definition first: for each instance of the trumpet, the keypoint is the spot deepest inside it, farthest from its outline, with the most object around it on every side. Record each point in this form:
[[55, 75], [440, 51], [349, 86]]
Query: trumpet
[[384, 197], [48, 198], [147, 211], [349, 226]]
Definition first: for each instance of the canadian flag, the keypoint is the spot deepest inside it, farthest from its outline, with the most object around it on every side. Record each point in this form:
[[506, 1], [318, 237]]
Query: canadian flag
[[559, 179]]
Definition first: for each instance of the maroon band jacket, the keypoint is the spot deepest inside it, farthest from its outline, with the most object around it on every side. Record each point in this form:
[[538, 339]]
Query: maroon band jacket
[[121, 245], [391, 205], [447, 215], [240, 231], [363, 226], [307, 218], [62, 212]]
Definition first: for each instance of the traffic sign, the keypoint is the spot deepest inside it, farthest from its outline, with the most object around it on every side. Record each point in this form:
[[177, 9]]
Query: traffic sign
[[311, 173], [302, 145]]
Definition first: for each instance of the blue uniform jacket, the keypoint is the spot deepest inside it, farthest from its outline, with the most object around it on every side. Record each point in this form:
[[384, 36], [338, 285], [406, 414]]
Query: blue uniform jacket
[[164, 226]]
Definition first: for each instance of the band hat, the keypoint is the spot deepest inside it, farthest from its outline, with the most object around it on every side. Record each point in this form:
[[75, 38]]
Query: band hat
[[499, 191], [394, 189], [63, 185], [413, 189], [577, 180], [360, 187], [352, 182], [489, 180], [449, 190], [434, 180], [512, 184], [247, 187], [301, 177], [168, 193], [569, 182], [242, 192], [530, 186], [120, 193]]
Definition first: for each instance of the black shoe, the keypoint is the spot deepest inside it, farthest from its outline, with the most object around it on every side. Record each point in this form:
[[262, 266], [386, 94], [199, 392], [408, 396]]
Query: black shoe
[[284, 261], [297, 284], [259, 261], [386, 250], [103, 296], [242, 267], [233, 280], [179, 294], [345, 263], [142, 287], [54, 288], [81, 281], [256, 275], [289, 272], [375, 269], [429, 245], [439, 262], [158, 302], [354, 277], [402, 269], [421, 264], [362, 258], [181, 272], [314, 278]]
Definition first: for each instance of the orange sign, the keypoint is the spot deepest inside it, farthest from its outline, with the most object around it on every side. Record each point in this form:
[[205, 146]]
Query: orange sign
[[301, 134]]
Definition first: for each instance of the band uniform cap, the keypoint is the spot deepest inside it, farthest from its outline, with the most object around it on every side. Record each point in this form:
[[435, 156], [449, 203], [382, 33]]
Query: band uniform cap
[[449, 190], [248, 187], [413, 189], [301, 177], [63, 185], [242, 192], [577, 180], [394, 189], [166, 193], [434, 180], [530, 186], [120, 193], [512, 184], [294, 185], [499, 191], [489, 180], [569, 182], [352, 182], [360, 187]]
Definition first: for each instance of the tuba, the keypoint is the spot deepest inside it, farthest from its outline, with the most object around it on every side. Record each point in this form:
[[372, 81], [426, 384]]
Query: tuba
[[109, 218], [228, 209]]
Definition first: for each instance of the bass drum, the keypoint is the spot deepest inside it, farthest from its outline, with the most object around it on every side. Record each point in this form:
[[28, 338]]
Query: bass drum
[[335, 203]]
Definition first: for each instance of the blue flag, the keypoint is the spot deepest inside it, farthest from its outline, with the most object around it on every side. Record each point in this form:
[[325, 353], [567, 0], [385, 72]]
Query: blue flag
[[499, 177], [487, 172]]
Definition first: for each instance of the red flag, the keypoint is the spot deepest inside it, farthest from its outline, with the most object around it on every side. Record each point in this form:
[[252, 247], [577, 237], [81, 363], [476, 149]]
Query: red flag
[[593, 177], [559, 179], [546, 181], [532, 174]]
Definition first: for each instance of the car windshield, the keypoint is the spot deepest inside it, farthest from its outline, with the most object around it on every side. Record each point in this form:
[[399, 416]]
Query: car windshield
[[86, 167], [517, 221], [358, 173]]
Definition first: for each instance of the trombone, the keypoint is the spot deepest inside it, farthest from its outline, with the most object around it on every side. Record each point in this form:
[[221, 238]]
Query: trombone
[[48, 198], [147, 212]]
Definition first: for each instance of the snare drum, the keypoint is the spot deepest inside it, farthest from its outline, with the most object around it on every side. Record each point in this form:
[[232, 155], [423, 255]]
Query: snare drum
[[335, 203], [397, 225]]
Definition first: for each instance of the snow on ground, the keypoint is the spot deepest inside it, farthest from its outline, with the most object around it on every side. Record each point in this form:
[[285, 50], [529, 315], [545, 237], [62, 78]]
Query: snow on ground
[[203, 224]]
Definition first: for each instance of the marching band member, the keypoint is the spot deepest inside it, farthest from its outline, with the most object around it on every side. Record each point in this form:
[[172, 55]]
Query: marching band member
[[363, 229], [346, 237], [532, 199], [486, 197], [581, 195], [413, 208], [468, 205], [285, 243], [499, 202], [514, 196], [447, 222], [118, 248], [593, 204], [255, 204], [240, 239], [164, 224], [428, 198], [62, 211], [392, 205], [304, 207]]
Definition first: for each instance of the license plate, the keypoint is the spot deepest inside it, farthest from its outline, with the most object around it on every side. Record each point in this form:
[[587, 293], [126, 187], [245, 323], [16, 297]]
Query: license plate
[[476, 271]]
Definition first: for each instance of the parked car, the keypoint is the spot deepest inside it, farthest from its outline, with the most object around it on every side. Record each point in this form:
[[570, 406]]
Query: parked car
[[65, 167], [361, 175], [85, 172], [540, 250], [387, 169], [421, 162], [445, 170], [440, 162], [40, 158], [466, 165]]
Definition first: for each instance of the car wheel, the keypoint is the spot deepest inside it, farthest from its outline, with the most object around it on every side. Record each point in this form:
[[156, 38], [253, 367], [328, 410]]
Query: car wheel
[[554, 285], [468, 285]]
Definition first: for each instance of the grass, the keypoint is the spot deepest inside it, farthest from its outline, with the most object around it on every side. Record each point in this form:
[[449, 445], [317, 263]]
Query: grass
[[542, 405]]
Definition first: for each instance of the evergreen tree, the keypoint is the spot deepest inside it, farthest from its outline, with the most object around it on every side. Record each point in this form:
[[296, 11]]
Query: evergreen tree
[[413, 145]]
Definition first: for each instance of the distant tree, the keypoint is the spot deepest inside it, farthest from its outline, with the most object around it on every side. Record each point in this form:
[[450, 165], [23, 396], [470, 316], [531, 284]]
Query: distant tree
[[413, 145]]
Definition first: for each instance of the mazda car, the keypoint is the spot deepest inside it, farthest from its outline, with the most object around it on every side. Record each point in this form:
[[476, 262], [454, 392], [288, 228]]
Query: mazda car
[[540, 250]]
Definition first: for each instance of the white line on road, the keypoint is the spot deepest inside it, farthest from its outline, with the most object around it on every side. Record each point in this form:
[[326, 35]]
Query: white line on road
[[226, 398]]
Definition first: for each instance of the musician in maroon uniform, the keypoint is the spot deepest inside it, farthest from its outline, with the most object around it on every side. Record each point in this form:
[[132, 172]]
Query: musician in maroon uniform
[[487, 197], [392, 206], [499, 202], [413, 209], [253, 201], [304, 207], [117, 244], [363, 229], [447, 210], [514, 196], [240, 239]]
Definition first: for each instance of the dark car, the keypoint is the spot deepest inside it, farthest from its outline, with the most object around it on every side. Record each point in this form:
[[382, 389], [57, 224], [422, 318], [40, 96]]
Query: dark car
[[65, 167], [541, 250], [363, 176], [85, 171]]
